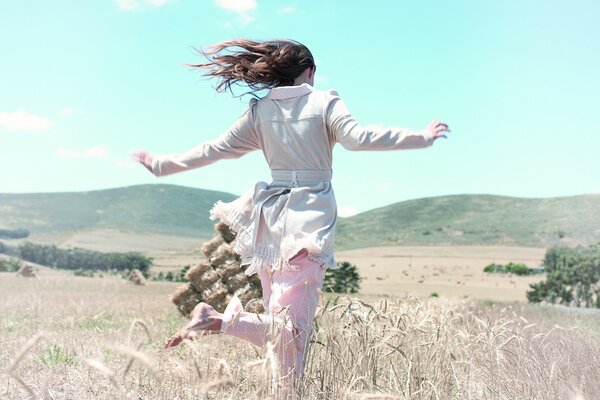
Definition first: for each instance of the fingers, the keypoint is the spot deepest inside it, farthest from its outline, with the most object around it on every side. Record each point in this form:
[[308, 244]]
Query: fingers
[[437, 128], [177, 339], [442, 127], [173, 341], [143, 157], [138, 155]]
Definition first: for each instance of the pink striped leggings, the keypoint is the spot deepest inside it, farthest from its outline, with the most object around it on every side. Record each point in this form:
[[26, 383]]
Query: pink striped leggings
[[290, 299]]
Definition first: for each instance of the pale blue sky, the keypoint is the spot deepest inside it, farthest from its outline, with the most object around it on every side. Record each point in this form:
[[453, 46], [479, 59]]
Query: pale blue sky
[[82, 83]]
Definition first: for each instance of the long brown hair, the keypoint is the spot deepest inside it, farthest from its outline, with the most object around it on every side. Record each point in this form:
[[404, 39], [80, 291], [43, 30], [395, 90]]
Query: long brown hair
[[258, 64]]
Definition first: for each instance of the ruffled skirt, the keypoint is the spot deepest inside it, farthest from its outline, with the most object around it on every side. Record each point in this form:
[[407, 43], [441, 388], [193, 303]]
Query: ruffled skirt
[[274, 222]]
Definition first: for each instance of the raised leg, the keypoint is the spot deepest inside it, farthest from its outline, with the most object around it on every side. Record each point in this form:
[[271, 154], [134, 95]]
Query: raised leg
[[291, 299], [205, 320], [297, 292]]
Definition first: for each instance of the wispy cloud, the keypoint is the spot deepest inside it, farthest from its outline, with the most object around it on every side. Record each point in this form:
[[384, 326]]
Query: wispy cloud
[[66, 111], [158, 3], [288, 10], [92, 152], [127, 5], [130, 5], [22, 121], [347, 211], [240, 7]]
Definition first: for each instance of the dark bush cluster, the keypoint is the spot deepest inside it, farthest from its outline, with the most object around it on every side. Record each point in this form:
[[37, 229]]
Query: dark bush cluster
[[573, 277], [171, 277], [344, 279], [88, 273], [77, 258], [510, 268], [9, 250], [13, 233], [9, 265]]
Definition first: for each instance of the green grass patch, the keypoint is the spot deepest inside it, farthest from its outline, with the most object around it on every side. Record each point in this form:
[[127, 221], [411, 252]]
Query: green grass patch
[[56, 355]]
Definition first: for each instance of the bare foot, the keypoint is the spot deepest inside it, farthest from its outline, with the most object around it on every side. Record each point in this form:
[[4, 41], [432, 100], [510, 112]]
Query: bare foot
[[205, 321]]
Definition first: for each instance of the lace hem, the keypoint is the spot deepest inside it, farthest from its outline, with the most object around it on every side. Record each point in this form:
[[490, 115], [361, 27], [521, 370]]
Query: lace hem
[[319, 250]]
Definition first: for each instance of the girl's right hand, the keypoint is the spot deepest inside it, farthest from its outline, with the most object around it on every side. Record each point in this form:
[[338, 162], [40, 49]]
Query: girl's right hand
[[435, 129], [143, 157]]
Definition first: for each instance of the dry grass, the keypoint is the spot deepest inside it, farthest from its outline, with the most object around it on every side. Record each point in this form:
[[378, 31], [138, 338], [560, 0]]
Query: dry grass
[[72, 337], [451, 271]]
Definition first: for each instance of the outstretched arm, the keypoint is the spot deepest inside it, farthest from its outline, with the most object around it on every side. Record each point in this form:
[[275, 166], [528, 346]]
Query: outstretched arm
[[345, 130], [239, 139]]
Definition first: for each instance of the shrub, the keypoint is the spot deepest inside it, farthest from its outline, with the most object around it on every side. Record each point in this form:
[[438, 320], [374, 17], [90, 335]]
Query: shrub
[[513, 268], [344, 279], [181, 274], [493, 267], [170, 276], [10, 265], [518, 269], [88, 273]]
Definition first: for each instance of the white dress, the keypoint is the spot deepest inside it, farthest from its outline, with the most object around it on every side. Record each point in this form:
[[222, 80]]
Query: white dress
[[296, 128]]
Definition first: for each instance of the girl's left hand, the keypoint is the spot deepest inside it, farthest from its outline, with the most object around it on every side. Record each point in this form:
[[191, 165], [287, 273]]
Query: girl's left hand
[[143, 157], [436, 129]]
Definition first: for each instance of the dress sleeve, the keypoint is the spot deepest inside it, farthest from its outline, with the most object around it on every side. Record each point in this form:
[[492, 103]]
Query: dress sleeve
[[240, 138], [344, 129]]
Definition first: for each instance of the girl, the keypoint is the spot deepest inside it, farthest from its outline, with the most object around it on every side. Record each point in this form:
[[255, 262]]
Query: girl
[[285, 229]]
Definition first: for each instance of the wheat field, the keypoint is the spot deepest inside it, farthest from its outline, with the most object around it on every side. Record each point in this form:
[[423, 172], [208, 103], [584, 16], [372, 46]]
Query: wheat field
[[67, 337]]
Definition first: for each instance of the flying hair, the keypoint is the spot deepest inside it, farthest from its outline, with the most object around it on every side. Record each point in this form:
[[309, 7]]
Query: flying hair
[[258, 64]]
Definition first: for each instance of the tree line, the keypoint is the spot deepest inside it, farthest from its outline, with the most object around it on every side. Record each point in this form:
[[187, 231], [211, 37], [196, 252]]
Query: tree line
[[344, 279], [572, 277], [13, 233], [77, 258]]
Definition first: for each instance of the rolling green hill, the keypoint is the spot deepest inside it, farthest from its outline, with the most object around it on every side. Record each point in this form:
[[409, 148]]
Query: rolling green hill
[[182, 211], [476, 219], [165, 209]]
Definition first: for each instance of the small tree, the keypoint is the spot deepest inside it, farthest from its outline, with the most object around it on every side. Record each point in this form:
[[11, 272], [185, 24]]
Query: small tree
[[344, 279], [572, 279], [10, 265]]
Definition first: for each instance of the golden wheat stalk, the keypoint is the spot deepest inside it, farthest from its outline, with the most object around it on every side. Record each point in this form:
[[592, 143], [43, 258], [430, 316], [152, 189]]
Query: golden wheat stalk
[[144, 359]]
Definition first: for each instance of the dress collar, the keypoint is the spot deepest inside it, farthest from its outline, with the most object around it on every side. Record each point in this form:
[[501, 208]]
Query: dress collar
[[288, 92]]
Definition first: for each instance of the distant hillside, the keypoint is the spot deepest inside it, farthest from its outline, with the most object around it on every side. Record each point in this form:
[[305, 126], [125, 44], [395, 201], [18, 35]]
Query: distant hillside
[[476, 219], [183, 211], [157, 208]]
